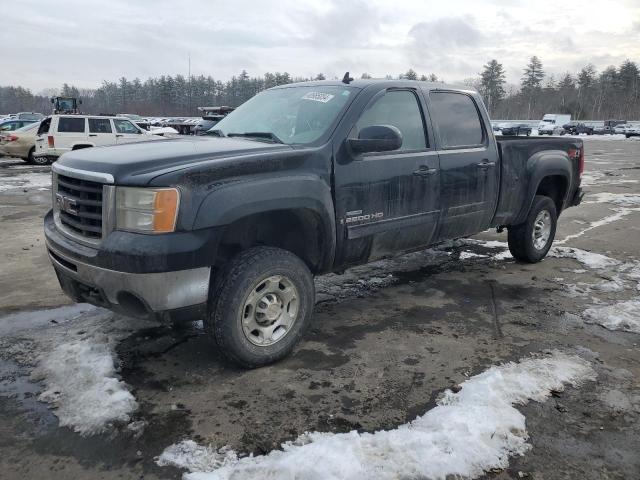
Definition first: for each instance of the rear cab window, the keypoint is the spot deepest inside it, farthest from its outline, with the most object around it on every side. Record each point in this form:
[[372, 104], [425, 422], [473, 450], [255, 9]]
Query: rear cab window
[[457, 120], [71, 125]]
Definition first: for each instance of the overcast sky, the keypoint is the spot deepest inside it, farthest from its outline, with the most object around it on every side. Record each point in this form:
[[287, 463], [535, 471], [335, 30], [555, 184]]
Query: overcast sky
[[84, 42]]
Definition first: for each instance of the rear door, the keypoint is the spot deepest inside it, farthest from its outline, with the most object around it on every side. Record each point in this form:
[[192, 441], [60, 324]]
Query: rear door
[[72, 130], [469, 170], [126, 131], [388, 201], [101, 132]]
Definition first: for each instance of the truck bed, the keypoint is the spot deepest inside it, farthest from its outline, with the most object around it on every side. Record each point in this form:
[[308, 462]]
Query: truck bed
[[517, 158]]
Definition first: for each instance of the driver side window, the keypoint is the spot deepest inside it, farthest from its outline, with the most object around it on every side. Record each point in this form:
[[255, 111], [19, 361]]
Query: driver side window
[[399, 108]]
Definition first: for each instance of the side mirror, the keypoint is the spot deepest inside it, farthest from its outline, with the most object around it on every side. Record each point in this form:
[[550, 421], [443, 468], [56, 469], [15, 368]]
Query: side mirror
[[376, 138], [52, 100], [79, 102]]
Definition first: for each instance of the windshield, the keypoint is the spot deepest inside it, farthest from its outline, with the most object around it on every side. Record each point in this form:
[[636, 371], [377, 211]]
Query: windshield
[[299, 115]]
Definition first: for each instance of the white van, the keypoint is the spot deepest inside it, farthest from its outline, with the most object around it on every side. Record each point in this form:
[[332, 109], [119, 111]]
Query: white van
[[552, 123], [62, 133]]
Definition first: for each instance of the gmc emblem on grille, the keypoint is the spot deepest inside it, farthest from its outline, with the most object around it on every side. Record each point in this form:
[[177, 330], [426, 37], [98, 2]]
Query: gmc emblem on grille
[[66, 204]]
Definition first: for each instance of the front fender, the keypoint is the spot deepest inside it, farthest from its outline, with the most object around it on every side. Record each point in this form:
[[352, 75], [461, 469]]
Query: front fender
[[544, 164], [236, 200]]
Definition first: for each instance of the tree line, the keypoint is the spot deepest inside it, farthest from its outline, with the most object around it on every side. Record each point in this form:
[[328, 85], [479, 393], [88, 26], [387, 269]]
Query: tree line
[[589, 94]]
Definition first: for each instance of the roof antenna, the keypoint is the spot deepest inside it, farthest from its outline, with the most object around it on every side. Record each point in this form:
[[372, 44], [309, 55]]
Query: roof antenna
[[347, 79]]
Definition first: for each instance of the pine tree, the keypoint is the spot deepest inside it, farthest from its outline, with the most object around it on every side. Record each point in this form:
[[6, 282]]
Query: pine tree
[[492, 80], [531, 82], [411, 75]]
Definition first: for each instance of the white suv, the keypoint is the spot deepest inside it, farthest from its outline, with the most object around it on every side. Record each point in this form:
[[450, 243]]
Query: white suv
[[62, 133]]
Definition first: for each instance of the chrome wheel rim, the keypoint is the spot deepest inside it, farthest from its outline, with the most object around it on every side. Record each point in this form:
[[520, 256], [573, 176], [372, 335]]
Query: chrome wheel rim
[[541, 230], [270, 311]]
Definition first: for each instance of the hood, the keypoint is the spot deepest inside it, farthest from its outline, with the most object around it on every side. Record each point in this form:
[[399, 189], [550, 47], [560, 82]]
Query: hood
[[137, 163]]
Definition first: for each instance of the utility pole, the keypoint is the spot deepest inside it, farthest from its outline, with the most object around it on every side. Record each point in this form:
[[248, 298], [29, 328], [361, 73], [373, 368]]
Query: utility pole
[[189, 112]]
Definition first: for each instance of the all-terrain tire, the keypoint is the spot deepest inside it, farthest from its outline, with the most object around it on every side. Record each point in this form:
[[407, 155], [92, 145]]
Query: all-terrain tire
[[522, 237], [231, 289]]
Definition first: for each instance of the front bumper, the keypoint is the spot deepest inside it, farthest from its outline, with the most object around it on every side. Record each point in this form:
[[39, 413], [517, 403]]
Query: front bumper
[[177, 294]]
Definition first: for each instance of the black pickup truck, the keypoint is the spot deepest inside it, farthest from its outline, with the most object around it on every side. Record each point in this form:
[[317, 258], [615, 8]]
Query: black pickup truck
[[301, 180]]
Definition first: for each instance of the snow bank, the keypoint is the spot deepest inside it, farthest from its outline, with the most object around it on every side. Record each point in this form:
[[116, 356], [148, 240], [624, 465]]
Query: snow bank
[[81, 382], [623, 316], [468, 433]]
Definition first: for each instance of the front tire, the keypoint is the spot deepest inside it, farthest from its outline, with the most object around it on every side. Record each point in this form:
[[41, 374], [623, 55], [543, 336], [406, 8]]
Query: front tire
[[531, 240], [261, 303]]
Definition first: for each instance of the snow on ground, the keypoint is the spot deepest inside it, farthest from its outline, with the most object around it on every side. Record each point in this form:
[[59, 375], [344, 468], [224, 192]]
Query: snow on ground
[[25, 180], [81, 381], [465, 435], [621, 199], [73, 349], [623, 316], [597, 178], [42, 318], [588, 259]]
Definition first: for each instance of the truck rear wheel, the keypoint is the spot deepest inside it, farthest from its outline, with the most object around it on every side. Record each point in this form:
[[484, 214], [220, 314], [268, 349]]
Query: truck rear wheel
[[531, 240], [261, 303]]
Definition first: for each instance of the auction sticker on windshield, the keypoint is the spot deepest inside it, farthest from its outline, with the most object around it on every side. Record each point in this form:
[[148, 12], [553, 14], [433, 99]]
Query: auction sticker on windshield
[[318, 96]]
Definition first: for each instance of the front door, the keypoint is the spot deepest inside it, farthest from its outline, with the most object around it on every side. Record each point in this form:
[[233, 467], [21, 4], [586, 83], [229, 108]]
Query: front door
[[126, 131], [387, 201], [468, 165]]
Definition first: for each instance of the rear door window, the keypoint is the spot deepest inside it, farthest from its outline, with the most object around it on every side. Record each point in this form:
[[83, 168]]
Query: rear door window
[[99, 125], [71, 125], [457, 120]]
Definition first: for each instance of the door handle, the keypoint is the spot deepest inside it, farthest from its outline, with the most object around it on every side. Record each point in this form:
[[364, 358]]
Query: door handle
[[93, 134], [118, 134], [425, 171], [485, 164]]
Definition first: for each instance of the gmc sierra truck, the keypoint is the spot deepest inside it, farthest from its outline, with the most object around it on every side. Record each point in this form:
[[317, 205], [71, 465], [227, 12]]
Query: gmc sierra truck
[[301, 180]]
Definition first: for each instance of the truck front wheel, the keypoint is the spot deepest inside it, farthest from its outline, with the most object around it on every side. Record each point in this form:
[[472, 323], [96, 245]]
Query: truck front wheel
[[261, 303], [531, 240]]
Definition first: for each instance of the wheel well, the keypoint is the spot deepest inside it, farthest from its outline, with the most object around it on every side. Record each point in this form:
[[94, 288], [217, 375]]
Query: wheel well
[[79, 147], [554, 187], [299, 231]]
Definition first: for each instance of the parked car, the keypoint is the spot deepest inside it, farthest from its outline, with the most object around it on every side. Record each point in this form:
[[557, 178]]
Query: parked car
[[14, 124], [603, 130], [518, 129], [576, 128], [551, 123], [58, 134], [300, 180], [21, 143], [36, 117], [632, 130]]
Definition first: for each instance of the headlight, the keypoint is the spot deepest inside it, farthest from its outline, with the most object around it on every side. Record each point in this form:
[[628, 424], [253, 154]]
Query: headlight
[[147, 210]]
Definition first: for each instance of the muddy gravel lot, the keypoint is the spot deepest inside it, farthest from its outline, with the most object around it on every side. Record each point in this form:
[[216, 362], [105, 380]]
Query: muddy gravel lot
[[88, 394]]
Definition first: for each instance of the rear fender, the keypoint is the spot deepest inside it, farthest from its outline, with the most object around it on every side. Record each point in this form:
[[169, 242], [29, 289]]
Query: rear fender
[[544, 164]]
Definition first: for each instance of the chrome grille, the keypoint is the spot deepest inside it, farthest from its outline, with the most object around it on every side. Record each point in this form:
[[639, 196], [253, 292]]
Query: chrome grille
[[79, 205]]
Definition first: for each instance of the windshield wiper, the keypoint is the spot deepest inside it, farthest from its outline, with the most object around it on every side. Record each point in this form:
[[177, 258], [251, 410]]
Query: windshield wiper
[[258, 136]]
